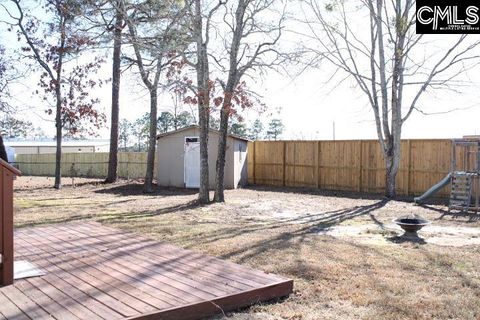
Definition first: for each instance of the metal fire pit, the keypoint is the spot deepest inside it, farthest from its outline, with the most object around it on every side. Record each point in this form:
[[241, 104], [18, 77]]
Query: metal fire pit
[[411, 224]]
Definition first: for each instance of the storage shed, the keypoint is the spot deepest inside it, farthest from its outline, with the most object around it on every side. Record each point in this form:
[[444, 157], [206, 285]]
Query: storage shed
[[178, 155]]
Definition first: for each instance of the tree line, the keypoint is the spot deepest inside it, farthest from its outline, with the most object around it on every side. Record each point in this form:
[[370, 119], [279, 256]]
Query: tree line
[[204, 53], [133, 135]]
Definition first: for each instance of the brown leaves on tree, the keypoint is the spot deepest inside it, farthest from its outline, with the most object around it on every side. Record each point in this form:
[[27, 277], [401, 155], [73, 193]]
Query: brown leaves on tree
[[60, 80], [240, 99], [79, 113]]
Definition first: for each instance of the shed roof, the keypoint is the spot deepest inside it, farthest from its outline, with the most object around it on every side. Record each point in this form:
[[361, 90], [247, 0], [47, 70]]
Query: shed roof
[[194, 126]]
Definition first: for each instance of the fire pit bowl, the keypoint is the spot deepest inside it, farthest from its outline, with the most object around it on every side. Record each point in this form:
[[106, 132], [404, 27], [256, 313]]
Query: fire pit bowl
[[411, 224]]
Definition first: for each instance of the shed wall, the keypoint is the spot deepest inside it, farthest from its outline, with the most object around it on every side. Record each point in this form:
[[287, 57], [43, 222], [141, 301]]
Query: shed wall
[[240, 162], [170, 155]]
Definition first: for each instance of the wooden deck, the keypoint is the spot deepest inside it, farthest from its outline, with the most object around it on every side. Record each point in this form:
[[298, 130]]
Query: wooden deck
[[98, 272]]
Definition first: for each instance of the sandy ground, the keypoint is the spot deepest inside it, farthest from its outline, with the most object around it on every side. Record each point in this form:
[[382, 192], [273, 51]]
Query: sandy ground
[[342, 250], [381, 235]]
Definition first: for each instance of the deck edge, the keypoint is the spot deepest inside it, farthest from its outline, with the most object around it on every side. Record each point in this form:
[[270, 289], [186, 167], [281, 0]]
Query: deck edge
[[223, 304]]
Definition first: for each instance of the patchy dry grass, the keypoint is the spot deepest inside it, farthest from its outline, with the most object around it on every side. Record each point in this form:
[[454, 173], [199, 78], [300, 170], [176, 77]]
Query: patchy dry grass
[[275, 231]]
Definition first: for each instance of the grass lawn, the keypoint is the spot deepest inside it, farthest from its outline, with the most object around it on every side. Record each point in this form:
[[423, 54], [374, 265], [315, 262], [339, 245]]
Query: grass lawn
[[340, 249]]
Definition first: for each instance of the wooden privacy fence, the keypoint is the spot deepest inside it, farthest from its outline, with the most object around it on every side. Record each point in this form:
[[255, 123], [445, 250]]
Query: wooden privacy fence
[[350, 165], [93, 165]]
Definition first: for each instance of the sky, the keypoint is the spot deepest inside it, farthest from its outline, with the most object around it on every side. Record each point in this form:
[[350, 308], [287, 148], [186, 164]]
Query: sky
[[310, 104]]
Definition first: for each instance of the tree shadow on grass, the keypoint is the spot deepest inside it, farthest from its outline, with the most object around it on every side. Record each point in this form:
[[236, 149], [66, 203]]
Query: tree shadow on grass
[[125, 217], [47, 221], [304, 226], [314, 191], [314, 224], [136, 189], [112, 217], [472, 217], [283, 231], [439, 210], [65, 185], [327, 193]]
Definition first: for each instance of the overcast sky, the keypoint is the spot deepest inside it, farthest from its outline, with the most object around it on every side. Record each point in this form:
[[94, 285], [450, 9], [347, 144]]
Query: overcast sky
[[310, 105]]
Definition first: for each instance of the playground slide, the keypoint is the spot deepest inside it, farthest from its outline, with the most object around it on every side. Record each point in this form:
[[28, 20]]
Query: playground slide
[[442, 183]]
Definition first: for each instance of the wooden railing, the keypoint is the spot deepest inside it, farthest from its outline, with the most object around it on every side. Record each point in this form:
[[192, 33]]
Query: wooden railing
[[7, 175]]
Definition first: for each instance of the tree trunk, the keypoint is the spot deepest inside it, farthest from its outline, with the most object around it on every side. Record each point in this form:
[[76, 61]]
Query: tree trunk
[[203, 94], [222, 149], [393, 159], [233, 79], [175, 116], [390, 178], [112, 174], [3, 152], [148, 186], [392, 163], [203, 192], [58, 112], [58, 152]]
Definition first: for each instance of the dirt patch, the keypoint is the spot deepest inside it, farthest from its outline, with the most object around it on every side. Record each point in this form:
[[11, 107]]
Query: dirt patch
[[32, 183], [311, 237], [455, 236]]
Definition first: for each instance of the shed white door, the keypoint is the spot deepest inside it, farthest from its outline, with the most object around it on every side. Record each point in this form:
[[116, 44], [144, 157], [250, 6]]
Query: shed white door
[[192, 162]]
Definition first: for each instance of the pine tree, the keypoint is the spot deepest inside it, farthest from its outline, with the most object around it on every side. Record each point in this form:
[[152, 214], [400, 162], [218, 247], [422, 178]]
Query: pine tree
[[255, 132], [275, 129]]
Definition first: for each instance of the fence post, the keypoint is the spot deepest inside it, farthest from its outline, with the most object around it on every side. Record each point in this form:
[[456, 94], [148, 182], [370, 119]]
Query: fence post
[[254, 161], [127, 174], [320, 155], [317, 161], [409, 164], [360, 167], [285, 162]]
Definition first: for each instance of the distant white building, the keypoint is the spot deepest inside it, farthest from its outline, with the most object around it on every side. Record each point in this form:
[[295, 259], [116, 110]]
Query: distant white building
[[43, 147], [10, 154]]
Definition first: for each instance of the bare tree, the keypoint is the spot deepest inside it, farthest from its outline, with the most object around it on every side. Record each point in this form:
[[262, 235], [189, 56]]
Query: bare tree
[[50, 45], [3, 97], [154, 33], [243, 30], [125, 131], [8, 74], [203, 92], [251, 45], [181, 117], [103, 20], [387, 61], [201, 15], [118, 25]]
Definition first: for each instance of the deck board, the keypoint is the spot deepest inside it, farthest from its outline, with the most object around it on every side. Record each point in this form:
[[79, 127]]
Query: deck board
[[109, 283], [49, 305], [99, 272], [113, 289]]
